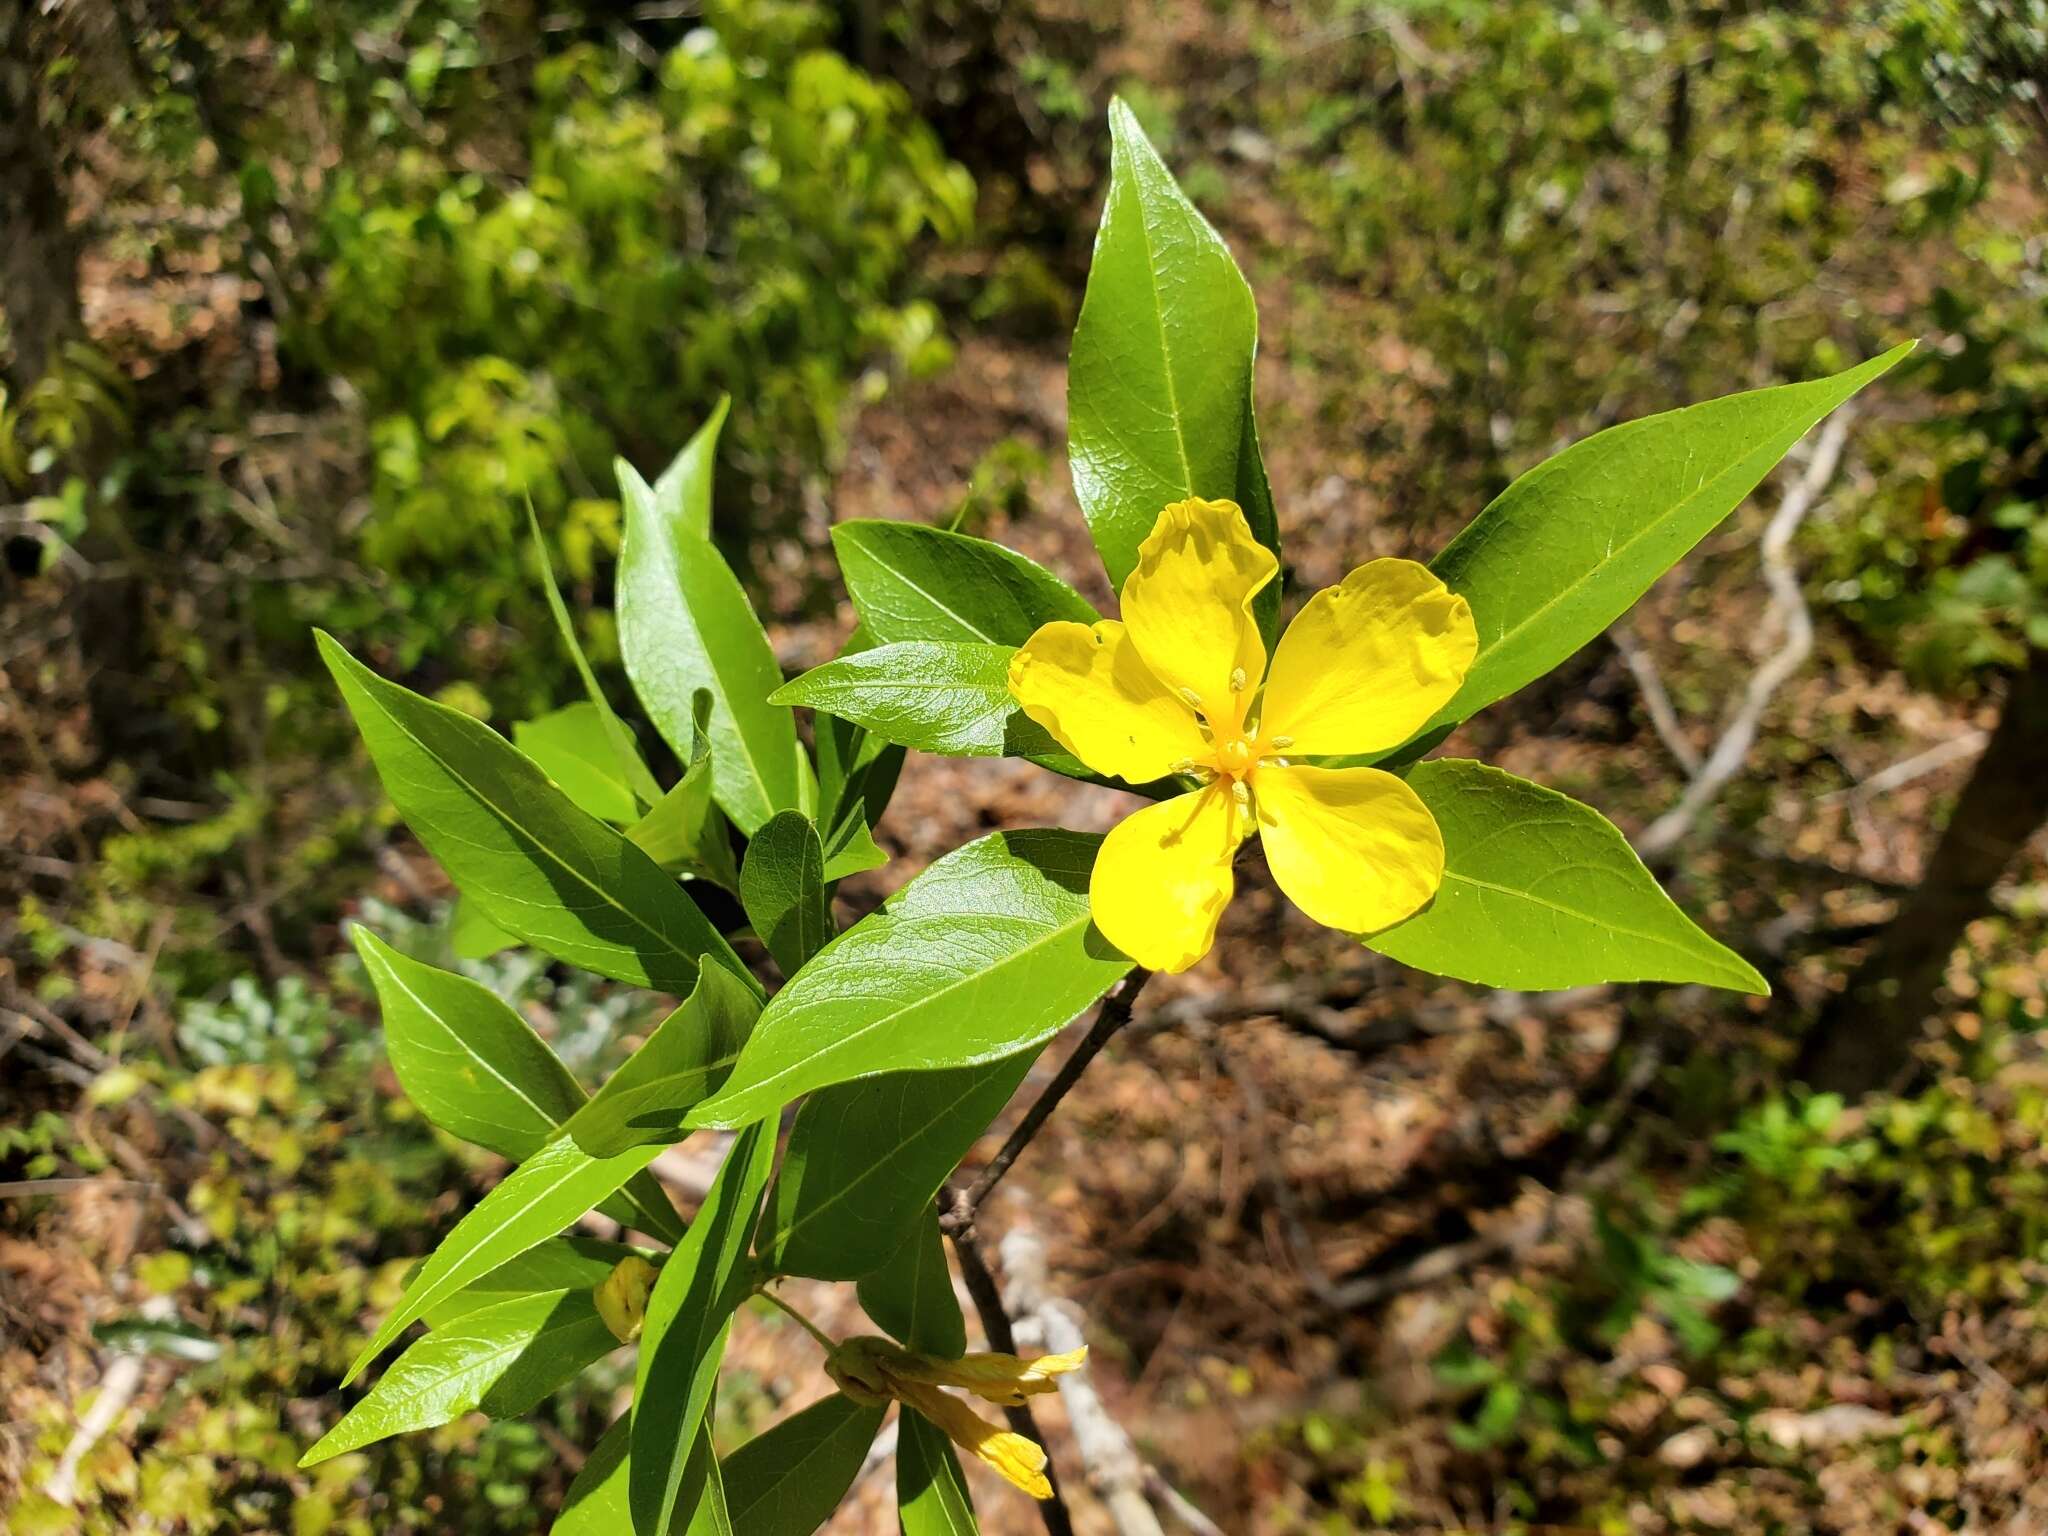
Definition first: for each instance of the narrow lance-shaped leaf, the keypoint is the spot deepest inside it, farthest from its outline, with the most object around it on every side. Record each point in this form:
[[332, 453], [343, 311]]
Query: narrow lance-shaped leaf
[[782, 886], [987, 953], [1562, 553], [789, 1480], [476, 1069], [866, 1158], [910, 581], [683, 1062], [1541, 893], [596, 1503], [629, 767], [686, 832], [1159, 385], [543, 870], [683, 1337], [931, 1491], [911, 1296], [536, 1200], [685, 624], [570, 747], [574, 1263], [503, 1359]]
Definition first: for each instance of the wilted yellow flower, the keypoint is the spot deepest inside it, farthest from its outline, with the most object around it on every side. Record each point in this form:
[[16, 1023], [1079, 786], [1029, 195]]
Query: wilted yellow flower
[[873, 1370], [622, 1297], [1175, 688]]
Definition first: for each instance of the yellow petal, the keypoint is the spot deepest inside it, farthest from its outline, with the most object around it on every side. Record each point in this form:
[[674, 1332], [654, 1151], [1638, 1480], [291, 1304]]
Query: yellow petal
[[1020, 1460], [1162, 878], [1354, 848], [992, 1377], [1089, 688], [1367, 661], [1188, 603]]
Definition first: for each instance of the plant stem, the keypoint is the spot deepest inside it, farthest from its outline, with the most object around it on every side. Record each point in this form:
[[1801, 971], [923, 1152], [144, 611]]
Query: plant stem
[[824, 1343], [995, 1327], [956, 1215]]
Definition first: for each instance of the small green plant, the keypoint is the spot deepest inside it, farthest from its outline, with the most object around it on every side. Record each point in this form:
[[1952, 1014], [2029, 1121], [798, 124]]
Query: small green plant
[[901, 1037]]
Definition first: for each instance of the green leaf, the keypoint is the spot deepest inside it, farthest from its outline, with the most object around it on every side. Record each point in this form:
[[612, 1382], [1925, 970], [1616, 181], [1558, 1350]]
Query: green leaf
[[478, 1071], [503, 1359], [990, 951], [686, 1059], [911, 1296], [472, 936], [553, 875], [851, 849], [1159, 384], [574, 1263], [788, 1481], [596, 1504], [931, 1491], [685, 832], [685, 624], [536, 1200], [1542, 893], [682, 494], [1562, 553], [866, 1158], [570, 746], [930, 695], [782, 886], [627, 764], [683, 1337], [910, 581]]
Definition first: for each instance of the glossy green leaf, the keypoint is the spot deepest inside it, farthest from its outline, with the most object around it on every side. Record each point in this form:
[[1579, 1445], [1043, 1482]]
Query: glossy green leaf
[[502, 1358], [788, 1481], [684, 1061], [573, 1263], [685, 832], [865, 1159], [990, 951], [536, 1200], [685, 624], [570, 747], [933, 696], [473, 936], [626, 764], [851, 848], [683, 1337], [1562, 553], [911, 1296], [596, 1503], [782, 886], [543, 870], [683, 492], [1541, 893], [1159, 384], [477, 1070], [910, 581], [931, 1490]]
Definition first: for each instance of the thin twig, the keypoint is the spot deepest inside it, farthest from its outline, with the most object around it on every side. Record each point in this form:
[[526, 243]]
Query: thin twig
[[1788, 605], [995, 1327], [1918, 766], [957, 1216]]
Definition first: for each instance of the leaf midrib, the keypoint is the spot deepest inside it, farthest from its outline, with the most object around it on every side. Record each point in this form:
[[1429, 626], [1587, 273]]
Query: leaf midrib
[[923, 1001], [549, 1122]]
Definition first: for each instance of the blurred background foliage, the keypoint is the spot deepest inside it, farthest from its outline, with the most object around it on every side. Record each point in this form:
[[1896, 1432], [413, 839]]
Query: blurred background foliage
[[302, 304]]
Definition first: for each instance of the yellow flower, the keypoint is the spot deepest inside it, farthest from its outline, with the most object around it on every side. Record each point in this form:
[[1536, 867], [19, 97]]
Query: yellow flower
[[874, 1371], [1175, 688]]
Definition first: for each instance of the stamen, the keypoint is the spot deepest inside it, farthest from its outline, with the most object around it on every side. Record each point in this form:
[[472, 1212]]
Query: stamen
[[1237, 680], [1194, 699], [1241, 792], [1282, 743]]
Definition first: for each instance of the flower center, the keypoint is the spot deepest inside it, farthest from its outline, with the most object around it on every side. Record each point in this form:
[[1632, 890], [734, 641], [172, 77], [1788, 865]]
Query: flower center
[[1235, 757]]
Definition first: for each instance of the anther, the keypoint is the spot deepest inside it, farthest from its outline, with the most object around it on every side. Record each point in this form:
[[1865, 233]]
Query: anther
[[1241, 792], [1192, 697], [1237, 680], [1282, 743]]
